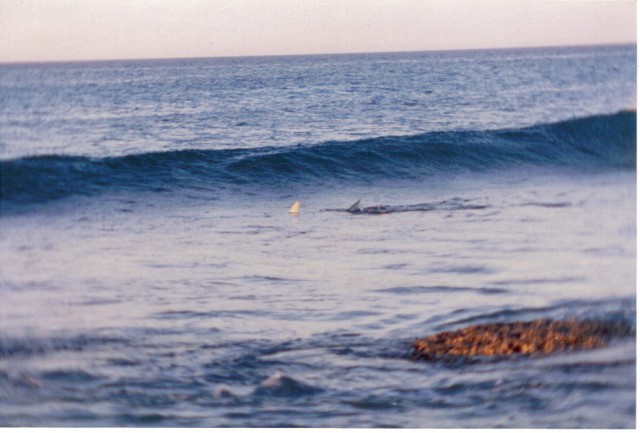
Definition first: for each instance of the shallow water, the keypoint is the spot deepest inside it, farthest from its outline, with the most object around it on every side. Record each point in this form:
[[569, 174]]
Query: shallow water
[[135, 312], [190, 299]]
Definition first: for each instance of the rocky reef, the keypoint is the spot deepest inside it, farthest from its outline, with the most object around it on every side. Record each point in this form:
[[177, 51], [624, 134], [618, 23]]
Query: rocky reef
[[541, 336]]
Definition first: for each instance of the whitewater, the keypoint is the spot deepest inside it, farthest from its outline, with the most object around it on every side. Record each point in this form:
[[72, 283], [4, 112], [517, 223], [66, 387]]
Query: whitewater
[[151, 274]]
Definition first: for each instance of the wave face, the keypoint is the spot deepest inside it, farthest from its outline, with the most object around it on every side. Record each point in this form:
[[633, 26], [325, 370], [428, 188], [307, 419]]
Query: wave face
[[599, 142]]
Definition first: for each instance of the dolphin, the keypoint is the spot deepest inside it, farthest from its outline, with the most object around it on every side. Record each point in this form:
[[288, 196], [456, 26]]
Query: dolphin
[[374, 210], [455, 204], [354, 207]]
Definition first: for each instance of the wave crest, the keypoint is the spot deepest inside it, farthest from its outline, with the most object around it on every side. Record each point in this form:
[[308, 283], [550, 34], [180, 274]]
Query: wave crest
[[604, 141]]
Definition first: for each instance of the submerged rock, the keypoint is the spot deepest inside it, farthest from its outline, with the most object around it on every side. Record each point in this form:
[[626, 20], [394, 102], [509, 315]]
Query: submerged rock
[[222, 392], [536, 337], [280, 385]]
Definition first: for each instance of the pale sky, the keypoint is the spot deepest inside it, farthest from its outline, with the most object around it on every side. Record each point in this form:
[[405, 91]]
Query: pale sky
[[43, 30]]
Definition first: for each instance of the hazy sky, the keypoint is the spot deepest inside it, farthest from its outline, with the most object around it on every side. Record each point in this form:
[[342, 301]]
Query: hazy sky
[[33, 30]]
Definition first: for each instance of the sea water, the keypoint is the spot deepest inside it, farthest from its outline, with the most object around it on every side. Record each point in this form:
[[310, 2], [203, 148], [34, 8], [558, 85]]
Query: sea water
[[151, 275]]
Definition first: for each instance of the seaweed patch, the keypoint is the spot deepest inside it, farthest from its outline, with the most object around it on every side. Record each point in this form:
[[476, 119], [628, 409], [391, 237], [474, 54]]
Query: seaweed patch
[[541, 336]]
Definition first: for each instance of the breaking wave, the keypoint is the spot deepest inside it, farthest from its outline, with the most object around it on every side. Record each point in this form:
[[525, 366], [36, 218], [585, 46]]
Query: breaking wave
[[600, 142]]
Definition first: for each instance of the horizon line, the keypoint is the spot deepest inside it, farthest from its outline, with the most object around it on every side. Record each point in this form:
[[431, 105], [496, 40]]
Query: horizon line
[[346, 53]]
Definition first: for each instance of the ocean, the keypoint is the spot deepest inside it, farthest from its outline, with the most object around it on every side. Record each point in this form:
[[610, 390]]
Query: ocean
[[151, 274]]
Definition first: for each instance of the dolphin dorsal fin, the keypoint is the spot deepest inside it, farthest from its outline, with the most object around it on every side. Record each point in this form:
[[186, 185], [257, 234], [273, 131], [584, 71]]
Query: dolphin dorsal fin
[[295, 209], [354, 207]]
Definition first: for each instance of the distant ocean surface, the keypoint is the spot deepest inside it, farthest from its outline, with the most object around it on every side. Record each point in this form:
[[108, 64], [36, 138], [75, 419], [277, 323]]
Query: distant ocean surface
[[151, 275]]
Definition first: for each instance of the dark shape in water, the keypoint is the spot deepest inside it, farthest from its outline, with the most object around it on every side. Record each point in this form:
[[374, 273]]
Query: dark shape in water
[[449, 205], [542, 336], [374, 210]]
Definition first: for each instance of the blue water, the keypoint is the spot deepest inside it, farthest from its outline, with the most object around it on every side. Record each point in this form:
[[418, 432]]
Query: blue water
[[151, 275]]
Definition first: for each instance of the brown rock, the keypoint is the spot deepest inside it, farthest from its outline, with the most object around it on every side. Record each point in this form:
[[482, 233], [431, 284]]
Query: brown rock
[[541, 336]]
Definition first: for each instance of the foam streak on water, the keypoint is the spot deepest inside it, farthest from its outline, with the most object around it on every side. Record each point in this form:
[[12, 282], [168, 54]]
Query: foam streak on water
[[151, 274]]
